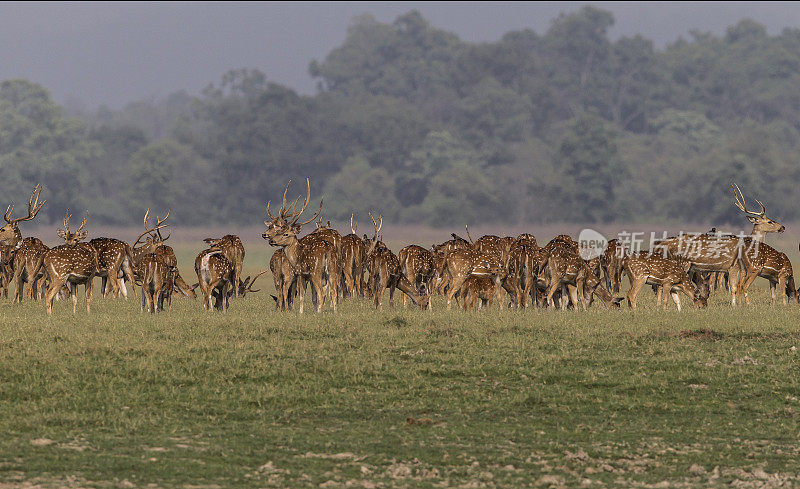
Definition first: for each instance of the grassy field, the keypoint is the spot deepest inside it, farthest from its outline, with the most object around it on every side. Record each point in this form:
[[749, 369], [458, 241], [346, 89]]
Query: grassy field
[[400, 398]]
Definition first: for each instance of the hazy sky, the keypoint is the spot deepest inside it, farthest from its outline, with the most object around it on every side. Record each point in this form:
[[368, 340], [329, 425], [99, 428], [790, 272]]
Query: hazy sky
[[93, 53]]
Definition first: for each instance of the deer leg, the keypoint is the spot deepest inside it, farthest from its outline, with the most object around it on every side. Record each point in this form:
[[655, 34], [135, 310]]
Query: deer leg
[[675, 298], [782, 289], [636, 286], [55, 286], [572, 290], [88, 290], [73, 290], [749, 278], [455, 283]]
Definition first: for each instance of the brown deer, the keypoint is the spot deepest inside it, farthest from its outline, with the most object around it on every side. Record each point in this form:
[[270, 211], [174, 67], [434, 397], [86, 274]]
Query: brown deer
[[283, 276], [315, 259], [668, 275], [523, 269], [6, 267], [354, 253], [70, 264], [478, 288], [114, 256], [155, 279], [462, 263], [611, 264], [215, 278], [153, 241], [29, 252], [727, 253], [233, 249], [418, 265], [383, 269], [565, 270]]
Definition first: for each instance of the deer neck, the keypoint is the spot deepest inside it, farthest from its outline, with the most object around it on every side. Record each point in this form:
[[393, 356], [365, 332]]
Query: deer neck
[[16, 240], [757, 234], [292, 251]]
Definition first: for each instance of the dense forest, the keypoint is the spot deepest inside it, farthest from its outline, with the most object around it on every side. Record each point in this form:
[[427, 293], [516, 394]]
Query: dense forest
[[414, 123]]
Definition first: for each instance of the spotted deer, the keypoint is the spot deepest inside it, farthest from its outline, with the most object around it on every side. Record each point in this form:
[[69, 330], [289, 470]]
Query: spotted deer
[[315, 259], [114, 259], [611, 264], [478, 288], [669, 275], [726, 253], [566, 271], [283, 277], [464, 262], [384, 271], [417, 264], [156, 280], [29, 252], [6, 267], [215, 278], [70, 264], [354, 253], [233, 249]]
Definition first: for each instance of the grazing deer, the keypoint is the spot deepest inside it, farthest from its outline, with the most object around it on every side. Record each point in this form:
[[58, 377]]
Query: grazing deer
[[315, 259], [384, 272], [668, 275], [354, 254], [233, 249], [565, 270], [475, 288], [726, 253], [29, 252], [418, 265], [461, 263], [70, 264]]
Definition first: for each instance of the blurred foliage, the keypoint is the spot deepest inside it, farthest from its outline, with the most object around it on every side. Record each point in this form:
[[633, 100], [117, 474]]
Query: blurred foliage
[[417, 125]]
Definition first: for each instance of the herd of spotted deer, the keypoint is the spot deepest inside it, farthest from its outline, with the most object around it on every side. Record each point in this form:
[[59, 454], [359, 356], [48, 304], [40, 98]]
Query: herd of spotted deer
[[472, 271]]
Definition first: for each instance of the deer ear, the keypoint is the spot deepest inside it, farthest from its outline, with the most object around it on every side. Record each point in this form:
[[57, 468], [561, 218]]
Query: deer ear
[[752, 219], [61, 234], [81, 235]]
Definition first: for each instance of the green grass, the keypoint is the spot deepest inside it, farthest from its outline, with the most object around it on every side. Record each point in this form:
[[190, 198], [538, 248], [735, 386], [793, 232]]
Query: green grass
[[399, 398]]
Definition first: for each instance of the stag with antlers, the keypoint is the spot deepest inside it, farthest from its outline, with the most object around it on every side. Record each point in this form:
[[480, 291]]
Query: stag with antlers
[[28, 252], [70, 264], [668, 275], [313, 258], [731, 254]]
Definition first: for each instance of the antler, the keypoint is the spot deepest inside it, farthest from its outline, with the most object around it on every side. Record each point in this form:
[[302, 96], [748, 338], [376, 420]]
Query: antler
[[468, 235], [377, 225], [159, 226], [742, 205], [147, 229], [34, 206], [353, 229], [248, 284]]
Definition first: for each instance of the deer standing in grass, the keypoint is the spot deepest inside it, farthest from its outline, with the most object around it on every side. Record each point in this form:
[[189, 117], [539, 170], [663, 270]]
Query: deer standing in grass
[[668, 275], [233, 249], [70, 264], [215, 277], [726, 253], [463, 262], [354, 254], [314, 259], [29, 252], [418, 265], [384, 272]]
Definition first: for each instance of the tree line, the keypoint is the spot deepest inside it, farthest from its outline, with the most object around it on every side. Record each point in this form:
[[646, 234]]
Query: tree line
[[414, 123]]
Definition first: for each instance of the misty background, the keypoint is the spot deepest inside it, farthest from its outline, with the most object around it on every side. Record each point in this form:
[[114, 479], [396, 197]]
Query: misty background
[[433, 113]]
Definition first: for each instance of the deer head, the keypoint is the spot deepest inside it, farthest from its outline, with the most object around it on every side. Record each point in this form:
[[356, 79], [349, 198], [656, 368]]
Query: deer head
[[10, 232], [246, 285], [284, 227], [70, 238], [761, 223]]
